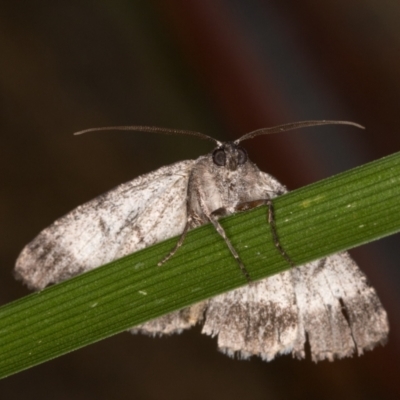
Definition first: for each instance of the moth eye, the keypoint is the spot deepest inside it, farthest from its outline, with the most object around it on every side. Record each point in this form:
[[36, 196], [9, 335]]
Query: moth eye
[[219, 157], [242, 156]]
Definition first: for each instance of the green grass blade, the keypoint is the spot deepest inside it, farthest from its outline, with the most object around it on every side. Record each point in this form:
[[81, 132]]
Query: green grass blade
[[332, 215]]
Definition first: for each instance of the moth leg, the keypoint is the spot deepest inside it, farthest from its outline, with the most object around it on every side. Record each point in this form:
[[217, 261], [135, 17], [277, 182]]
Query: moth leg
[[218, 227], [248, 205], [179, 243]]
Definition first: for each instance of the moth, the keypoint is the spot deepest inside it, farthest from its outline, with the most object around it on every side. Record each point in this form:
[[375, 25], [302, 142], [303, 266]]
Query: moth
[[327, 303]]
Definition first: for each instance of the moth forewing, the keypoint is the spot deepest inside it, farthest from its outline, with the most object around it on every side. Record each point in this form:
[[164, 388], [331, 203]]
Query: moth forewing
[[132, 216]]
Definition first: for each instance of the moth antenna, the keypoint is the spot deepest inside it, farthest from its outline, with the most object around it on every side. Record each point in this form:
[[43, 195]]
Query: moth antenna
[[150, 129], [294, 125]]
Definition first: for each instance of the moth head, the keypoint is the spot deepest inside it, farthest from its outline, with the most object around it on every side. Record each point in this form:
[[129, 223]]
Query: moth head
[[229, 155]]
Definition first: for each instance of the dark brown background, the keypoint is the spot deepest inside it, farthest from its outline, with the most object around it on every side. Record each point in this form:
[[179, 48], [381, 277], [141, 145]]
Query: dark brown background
[[222, 67]]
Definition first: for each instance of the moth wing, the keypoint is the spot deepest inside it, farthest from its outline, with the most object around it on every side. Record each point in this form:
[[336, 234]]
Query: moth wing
[[174, 322], [134, 215], [339, 312], [258, 319], [328, 303]]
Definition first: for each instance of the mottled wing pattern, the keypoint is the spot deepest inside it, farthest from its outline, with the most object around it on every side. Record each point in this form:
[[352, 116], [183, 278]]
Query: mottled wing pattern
[[340, 312], [258, 319], [327, 302], [119, 222]]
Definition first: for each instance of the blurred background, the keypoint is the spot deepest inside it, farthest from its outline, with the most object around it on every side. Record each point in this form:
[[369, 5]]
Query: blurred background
[[220, 67]]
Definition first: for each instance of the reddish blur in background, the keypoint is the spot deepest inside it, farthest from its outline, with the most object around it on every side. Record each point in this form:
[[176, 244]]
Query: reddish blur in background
[[221, 67]]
